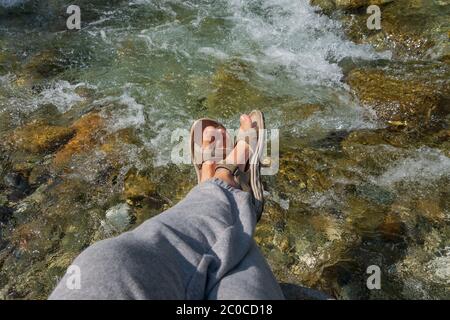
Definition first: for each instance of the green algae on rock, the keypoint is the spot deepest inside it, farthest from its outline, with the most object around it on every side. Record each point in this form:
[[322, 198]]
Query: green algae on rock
[[138, 186], [409, 29], [87, 131], [232, 93], [413, 103], [329, 5], [353, 4], [38, 137], [39, 67]]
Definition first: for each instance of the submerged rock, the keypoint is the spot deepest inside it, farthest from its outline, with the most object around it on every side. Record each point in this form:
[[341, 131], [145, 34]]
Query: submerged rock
[[408, 28], [392, 227], [353, 4], [413, 103], [294, 111], [38, 137], [111, 143], [328, 5], [41, 66], [303, 171], [432, 210], [138, 186], [5, 213], [8, 62], [232, 93], [117, 218], [86, 136], [16, 181]]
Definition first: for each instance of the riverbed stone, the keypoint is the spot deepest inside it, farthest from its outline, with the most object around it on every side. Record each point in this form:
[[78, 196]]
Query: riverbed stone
[[408, 29], [392, 227], [111, 143], [413, 103], [87, 132], [302, 168], [431, 209], [8, 62], [353, 4], [328, 6], [44, 64], [138, 186], [38, 137], [293, 111], [5, 213], [117, 218], [232, 93]]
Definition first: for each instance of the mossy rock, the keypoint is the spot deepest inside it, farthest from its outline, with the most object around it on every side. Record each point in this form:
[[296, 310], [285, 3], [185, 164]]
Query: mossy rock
[[138, 186], [402, 140], [38, 137], [302, 171], [408, 28], [43, 65], [373, 159], [293, 111], [412, 103], [353, 4], [8, 62], [364, 215], [328, 6], [111, 144], [232, 92], [88, 130]]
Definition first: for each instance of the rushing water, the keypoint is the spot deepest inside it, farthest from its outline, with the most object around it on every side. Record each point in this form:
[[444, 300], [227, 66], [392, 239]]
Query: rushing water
[[155, 66]]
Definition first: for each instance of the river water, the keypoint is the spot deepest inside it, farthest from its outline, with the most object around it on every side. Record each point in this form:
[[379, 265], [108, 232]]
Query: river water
[[149, 68]]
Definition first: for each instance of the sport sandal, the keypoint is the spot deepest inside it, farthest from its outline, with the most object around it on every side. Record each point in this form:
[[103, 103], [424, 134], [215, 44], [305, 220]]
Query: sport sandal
[[249, 180], [199, 154]]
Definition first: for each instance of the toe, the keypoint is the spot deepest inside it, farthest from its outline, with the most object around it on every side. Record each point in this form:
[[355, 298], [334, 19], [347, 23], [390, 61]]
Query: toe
[[208, 136], [208, 170], [222, 134], [246, 122]]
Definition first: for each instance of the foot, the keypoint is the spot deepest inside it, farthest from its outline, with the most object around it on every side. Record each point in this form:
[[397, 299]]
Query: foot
[[239, 155], [210, 141]]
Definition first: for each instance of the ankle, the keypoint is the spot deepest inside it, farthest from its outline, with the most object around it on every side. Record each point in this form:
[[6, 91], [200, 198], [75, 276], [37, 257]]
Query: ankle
[[225, 176]]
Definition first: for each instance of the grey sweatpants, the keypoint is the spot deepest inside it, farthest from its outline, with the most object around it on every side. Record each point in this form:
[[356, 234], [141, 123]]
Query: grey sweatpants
[[202, 248]]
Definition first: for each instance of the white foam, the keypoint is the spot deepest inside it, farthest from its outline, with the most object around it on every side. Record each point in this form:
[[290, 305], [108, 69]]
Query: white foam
[[132, 116], [212, 52], [292, 35], [61, 94], [440, 267], [424, 165]]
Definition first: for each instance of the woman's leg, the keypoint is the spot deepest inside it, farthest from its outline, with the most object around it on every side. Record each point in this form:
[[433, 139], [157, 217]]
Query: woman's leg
[[184, 253], [201, 248], [251, 279]]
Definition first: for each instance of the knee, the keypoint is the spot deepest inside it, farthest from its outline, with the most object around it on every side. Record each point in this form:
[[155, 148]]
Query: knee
[[103, 256]]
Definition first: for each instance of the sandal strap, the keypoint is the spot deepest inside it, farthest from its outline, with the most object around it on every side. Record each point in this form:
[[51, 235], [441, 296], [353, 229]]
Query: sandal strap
[[213, 154], [241, 178], [234, 169]]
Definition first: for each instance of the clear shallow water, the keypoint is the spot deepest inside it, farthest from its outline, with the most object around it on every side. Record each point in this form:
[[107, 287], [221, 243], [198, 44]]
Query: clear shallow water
[[159, 54], [155, 66]]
